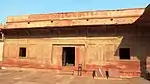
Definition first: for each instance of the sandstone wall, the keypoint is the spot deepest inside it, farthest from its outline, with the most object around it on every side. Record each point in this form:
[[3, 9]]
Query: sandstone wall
[[93, 50]]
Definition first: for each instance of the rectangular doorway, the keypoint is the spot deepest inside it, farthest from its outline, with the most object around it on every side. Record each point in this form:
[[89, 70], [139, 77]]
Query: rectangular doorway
[[68, 56]]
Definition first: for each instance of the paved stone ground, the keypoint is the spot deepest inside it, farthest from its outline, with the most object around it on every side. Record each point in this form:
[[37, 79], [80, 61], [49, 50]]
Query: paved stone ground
[[38, 77]]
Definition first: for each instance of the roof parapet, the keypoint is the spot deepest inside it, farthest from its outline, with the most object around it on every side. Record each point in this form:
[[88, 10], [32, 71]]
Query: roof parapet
[[102, 17]]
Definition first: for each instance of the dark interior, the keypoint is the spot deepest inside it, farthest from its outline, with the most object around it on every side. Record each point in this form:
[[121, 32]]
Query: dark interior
[[22, 52], [124, 53], [68, 57]]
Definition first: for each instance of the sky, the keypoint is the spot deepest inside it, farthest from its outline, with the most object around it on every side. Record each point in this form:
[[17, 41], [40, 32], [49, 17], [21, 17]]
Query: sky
[[23, 7]]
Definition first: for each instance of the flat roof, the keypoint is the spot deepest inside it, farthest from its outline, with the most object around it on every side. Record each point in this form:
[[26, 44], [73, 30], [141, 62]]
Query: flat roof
[[98, 17]]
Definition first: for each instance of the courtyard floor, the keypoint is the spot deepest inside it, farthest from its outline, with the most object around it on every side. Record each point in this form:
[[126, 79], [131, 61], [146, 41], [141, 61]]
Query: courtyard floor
[[51, 77]]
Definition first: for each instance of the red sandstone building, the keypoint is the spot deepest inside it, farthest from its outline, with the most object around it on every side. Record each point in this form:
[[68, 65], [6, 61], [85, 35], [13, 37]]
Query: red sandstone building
[[113, 40]]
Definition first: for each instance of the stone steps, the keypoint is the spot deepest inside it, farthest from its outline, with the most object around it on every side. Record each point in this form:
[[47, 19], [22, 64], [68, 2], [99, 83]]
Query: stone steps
[[67, 70], [66, 73]]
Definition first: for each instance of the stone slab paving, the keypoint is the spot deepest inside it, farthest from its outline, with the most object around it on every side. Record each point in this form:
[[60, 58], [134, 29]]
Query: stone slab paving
[[40, 77]]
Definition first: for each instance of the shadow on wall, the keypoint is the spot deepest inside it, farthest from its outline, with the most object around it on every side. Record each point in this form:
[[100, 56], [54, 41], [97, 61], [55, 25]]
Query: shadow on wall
[[137, 37], [144, 42]]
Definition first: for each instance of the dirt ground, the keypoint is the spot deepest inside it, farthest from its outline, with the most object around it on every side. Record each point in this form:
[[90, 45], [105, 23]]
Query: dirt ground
[[51, 77]]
